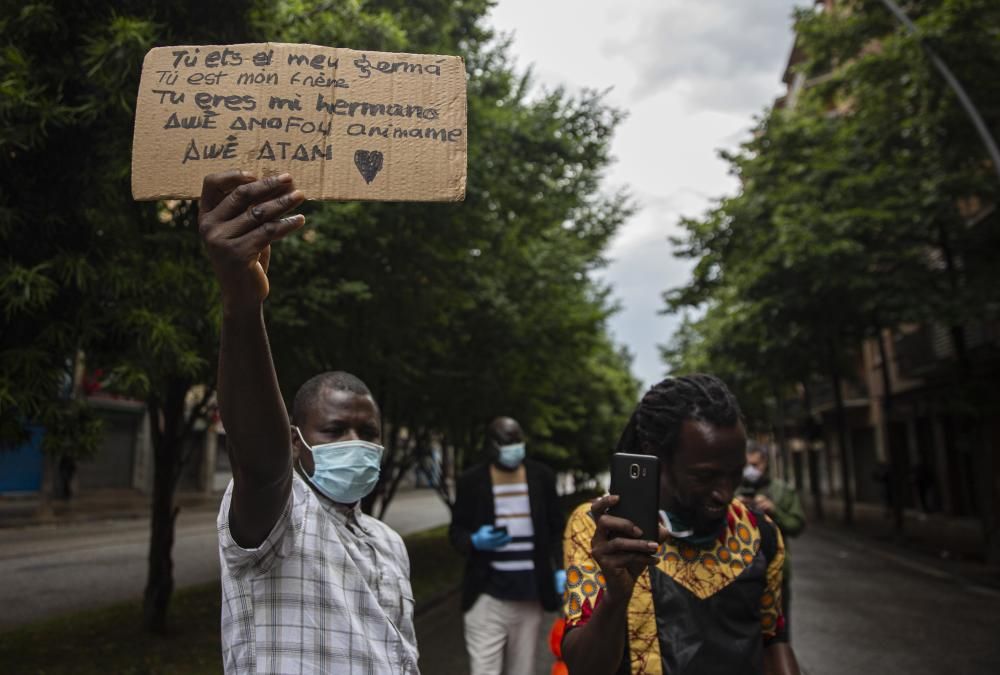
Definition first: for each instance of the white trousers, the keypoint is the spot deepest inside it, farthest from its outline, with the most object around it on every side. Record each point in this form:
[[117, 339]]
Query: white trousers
[[501, 636]]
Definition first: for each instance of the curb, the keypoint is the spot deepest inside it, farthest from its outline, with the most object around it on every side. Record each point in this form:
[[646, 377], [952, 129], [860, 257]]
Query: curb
[[32, 522], [28, 519], [984, 583]]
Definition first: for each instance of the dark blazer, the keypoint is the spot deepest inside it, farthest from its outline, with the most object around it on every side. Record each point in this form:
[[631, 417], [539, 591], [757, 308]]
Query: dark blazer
[[474, 508]]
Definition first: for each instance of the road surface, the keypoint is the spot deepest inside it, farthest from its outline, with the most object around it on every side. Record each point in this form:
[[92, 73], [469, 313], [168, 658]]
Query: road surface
[[53, 570], [857, 609]]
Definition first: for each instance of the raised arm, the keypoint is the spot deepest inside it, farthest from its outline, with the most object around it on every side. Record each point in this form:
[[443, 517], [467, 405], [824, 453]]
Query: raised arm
[[239, 217]]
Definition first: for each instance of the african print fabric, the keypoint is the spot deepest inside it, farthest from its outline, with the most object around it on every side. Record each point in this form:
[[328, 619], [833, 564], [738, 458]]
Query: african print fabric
[[698, 610]]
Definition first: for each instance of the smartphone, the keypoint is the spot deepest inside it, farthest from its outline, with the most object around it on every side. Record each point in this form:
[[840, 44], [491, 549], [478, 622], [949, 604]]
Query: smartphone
[[636, 480]]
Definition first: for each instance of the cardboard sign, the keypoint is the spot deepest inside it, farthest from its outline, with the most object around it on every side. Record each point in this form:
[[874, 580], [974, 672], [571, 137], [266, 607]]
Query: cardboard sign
[[346, 124]]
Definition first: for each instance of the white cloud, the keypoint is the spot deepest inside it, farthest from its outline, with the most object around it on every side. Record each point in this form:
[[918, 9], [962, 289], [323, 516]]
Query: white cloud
[[717, 54], [641, 267], [691, 74]]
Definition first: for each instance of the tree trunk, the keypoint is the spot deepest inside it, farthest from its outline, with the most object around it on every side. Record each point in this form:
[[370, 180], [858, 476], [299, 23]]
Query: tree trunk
[[897, 475], [991, 510], [957, 330], [447, 466], [160, 573], [160, 578], [169, 429], [967, 384], [439, 482], [385, 472], [842, 438], [813, 432], [400, 466], [390, 435], [786, 460]]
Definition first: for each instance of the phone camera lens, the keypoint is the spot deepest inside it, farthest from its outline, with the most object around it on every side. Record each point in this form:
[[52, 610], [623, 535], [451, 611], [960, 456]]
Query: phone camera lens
[[634, 471]]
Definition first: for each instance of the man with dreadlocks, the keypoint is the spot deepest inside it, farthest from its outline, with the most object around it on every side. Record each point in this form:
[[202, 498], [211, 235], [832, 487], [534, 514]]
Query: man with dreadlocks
[[706, 599]]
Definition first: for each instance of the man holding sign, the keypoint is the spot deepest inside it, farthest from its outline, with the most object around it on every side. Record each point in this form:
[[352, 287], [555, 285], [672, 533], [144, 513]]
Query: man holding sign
[[309, 583]]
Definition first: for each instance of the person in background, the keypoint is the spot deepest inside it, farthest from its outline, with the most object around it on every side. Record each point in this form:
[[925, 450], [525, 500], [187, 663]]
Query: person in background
[[779, 501], [508, 523]]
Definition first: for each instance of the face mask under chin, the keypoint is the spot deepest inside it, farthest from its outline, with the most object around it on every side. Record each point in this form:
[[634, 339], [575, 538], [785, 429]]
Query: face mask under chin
[[689, 526]]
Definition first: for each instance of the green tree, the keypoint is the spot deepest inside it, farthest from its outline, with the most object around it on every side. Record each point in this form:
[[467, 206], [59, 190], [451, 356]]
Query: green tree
[[854, 212], [453, 313], [456, 313], [98, 273]]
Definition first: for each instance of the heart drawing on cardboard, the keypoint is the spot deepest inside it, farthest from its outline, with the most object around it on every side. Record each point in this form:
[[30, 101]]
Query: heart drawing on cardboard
[[369, 163]]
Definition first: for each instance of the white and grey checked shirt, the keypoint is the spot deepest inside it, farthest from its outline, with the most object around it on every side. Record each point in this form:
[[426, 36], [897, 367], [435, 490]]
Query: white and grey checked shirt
[[328, 591]]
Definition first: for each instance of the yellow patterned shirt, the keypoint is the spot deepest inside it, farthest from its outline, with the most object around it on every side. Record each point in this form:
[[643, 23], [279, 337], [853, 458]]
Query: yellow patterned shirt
[[698, 610]]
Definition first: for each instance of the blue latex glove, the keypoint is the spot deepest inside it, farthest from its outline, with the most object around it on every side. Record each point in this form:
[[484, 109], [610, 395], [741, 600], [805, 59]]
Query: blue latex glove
[[488, 539], [560, 581]]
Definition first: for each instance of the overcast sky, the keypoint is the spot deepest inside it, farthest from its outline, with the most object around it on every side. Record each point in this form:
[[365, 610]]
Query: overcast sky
[[692, 75]]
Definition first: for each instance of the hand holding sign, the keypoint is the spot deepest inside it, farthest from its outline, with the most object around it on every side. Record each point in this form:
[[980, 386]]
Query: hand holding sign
[[239, 217]]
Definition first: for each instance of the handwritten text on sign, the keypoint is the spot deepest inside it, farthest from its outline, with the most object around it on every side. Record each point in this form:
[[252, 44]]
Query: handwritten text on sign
[[346, 124]]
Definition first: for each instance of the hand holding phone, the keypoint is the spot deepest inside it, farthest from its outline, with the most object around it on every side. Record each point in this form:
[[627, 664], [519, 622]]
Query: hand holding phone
[[618, 549]]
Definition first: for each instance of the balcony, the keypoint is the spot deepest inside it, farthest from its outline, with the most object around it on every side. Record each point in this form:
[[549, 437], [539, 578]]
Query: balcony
[[929, 349], [855, 394]]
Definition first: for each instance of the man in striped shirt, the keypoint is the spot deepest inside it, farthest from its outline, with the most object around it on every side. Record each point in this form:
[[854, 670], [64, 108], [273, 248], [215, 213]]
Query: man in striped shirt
[[508, 523]]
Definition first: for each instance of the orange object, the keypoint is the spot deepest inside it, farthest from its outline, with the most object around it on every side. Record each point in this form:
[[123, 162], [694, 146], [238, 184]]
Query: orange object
[[555, 646]]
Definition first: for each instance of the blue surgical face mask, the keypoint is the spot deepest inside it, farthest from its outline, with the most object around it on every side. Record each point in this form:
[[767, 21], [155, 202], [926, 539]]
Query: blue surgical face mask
[[511, 456], [345, 471]]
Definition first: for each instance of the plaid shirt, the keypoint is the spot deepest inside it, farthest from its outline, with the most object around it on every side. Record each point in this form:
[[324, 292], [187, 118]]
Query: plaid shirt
[[328, 591]]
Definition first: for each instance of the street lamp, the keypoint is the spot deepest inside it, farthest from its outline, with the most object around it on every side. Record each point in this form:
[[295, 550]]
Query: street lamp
[[970, 108]]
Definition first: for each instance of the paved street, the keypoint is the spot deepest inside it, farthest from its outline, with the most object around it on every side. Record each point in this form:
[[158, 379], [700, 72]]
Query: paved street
[[862, 610], [857, 610], [47, 571]]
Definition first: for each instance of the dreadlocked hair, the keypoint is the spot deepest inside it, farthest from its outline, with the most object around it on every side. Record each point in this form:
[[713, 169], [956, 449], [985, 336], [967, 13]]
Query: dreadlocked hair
[[656, 423]]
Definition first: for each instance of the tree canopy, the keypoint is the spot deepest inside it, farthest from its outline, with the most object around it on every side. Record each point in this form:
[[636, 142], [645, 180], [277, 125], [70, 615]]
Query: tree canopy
[[452, 313], [866, 205]]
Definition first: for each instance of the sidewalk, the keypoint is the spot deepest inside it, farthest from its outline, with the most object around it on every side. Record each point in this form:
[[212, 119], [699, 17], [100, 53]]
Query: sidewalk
[[950, 545], [96, 505], [20, 511]]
